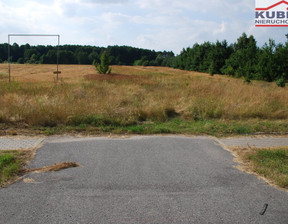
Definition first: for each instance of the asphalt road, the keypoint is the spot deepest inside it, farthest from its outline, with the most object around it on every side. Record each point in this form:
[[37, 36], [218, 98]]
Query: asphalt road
[[140, 180]]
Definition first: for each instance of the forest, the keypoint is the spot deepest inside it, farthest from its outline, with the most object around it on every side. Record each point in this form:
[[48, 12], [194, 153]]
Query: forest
[[77, 54], [241, 59]]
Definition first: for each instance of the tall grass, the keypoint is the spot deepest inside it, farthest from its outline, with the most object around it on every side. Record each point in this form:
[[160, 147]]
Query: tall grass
[[145, 94]]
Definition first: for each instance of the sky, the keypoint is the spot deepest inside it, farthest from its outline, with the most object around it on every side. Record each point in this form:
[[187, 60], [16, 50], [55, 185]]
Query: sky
[[159, 25]]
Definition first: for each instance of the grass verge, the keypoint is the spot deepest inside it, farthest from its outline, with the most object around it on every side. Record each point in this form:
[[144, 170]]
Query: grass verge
[[11, 165], [270, 164], [215, 127]]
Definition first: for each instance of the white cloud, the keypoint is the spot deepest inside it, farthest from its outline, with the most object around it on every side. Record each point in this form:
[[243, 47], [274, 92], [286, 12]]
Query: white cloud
[[104, 1], [115, 18], [31, 16], [154, 24]]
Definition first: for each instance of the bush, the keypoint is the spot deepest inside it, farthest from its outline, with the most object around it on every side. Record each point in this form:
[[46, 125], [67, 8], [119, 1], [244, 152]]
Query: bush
[[247, 80], [228, 70], [280, 82]]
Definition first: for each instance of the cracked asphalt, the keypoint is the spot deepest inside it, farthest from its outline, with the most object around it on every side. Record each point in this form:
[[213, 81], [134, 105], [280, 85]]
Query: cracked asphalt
[[142, 179]]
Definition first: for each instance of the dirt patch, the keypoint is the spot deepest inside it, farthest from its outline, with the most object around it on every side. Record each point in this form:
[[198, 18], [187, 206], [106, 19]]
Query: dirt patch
[[55, 167], [28, 180], [111, 76]]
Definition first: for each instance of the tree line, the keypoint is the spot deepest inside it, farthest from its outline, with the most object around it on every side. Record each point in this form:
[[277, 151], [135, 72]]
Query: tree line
[[76, 54], [241, 59]]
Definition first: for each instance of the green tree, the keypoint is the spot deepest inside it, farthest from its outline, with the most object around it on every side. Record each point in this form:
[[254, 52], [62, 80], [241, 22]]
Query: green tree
[[66, 57], [242, 63], [217, 55], [267, 64], [82, 57], [33, 59], [28, 54], [103, 67]]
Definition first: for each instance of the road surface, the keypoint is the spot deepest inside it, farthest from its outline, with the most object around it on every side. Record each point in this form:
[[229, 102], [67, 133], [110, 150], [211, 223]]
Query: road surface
[[148, 179]]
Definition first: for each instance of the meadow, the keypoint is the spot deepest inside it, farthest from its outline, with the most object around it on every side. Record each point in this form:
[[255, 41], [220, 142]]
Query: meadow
[[137, 99]]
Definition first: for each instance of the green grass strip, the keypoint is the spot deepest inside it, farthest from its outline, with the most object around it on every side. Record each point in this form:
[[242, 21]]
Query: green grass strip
[[10, 165], [272, 164]]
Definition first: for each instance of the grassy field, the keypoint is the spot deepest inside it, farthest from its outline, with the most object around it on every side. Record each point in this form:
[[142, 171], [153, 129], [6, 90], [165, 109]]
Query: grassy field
[[142, 100]]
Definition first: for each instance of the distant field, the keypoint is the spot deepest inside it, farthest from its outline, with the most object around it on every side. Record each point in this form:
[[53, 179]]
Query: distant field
[[74, 73], [138, 100], [44, 73]]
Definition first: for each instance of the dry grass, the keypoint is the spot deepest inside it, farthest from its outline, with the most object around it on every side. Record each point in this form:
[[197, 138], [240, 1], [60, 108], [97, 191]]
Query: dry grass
[[140, 94], [44, 73], [55, 167]]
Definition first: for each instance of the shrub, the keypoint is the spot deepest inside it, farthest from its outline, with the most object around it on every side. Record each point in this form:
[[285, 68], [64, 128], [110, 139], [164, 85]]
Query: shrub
[[247, 80], [280, 82]]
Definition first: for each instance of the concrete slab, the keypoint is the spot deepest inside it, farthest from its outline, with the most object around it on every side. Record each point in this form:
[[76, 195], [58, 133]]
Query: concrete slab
[[263, 141], [24, 142], [19, 142]]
